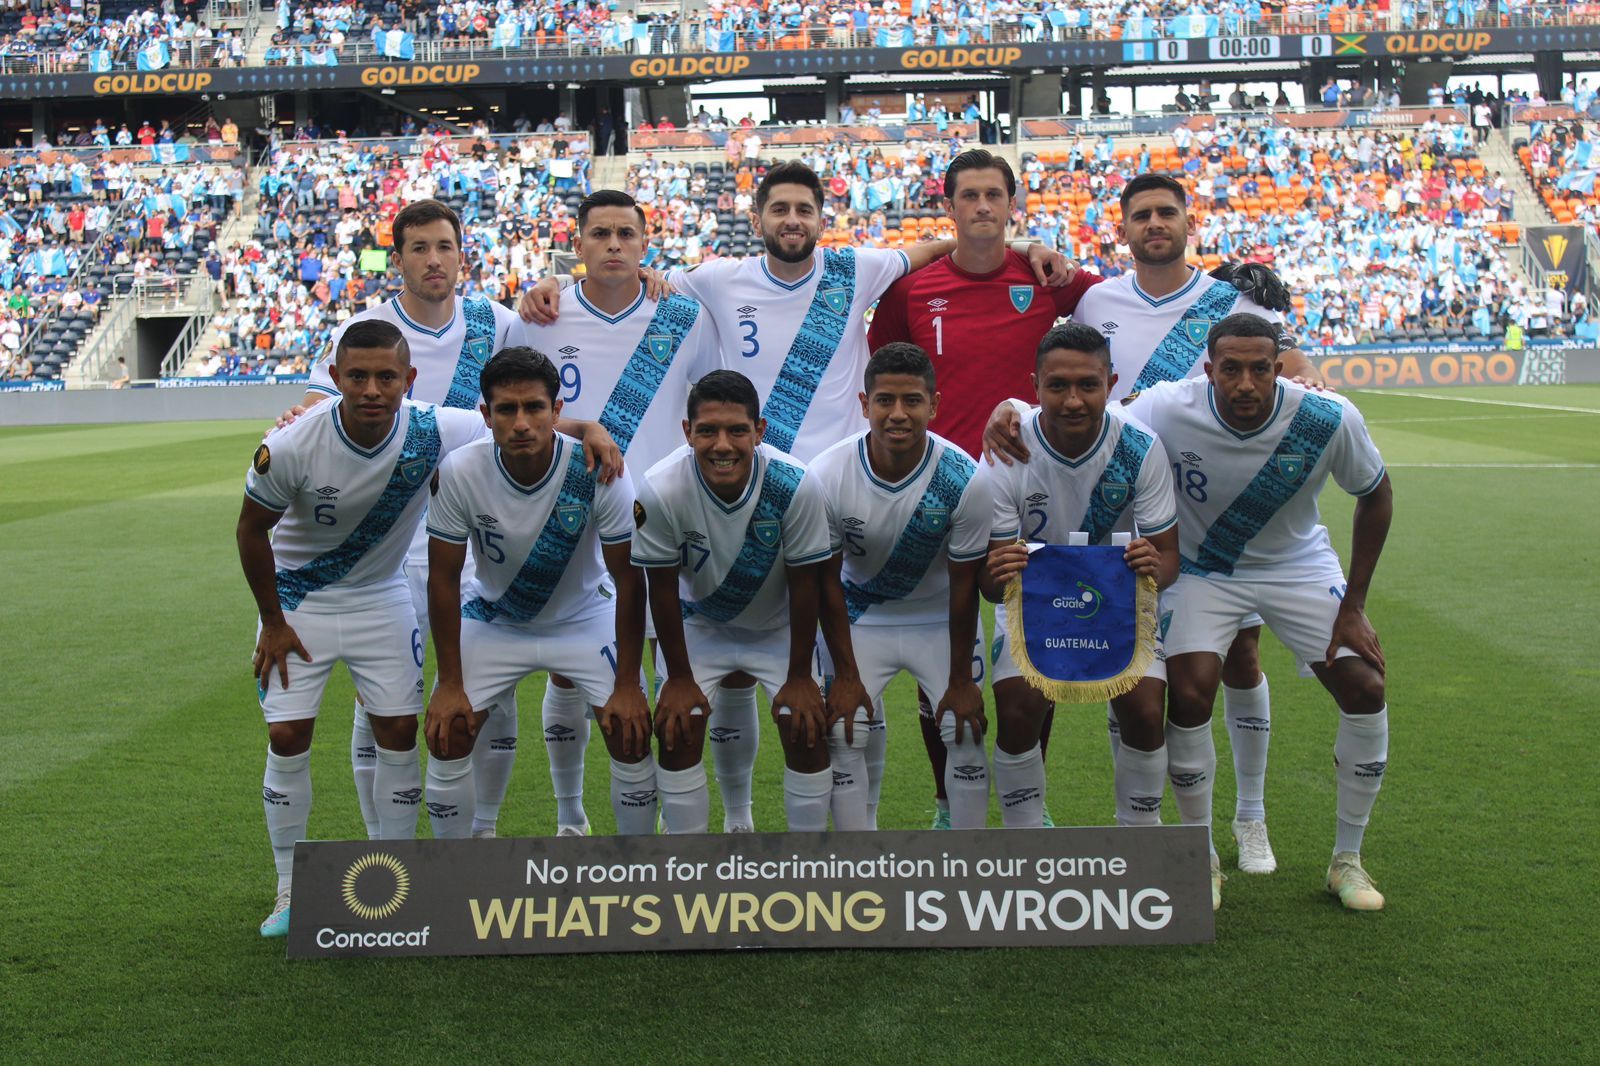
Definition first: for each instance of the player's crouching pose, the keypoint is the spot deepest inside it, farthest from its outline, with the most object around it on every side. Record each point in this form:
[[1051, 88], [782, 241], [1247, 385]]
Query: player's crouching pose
[[1095, 471], [713, 519], [1256, 452], [913, 522], [344, 487], [544, 536]]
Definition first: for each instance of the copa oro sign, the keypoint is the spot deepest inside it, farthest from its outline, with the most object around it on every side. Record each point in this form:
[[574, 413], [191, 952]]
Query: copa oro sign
[[780, 890]]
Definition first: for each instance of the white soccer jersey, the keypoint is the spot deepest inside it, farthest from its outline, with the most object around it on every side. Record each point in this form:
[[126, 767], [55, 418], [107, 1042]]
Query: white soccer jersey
[[536, 548], [1121, 484], [731, 556], [1247, 502], [349, 513], [448, 361], [898, 538], [804, 345], [1160, 339], [629, 372]]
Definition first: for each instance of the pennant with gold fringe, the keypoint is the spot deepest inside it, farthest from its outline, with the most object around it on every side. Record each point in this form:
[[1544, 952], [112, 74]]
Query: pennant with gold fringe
[[1082, 626]]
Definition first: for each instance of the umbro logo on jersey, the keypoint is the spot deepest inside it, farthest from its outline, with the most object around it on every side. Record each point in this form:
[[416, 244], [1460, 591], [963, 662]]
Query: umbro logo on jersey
[[503, 744], [327, 490], [274, 797], [1016, 796], [747, 310], [1371, 769], [1107, 327], [1254, 724], [1187, 780], [1145, 803], [970, 773], [642, 798], [407, 796], [486, 519], [558, 734], [1039, 497], [694, 535], [567, 350], [1190, 457], [938, 303], [721, 734], [442, 810], [854, 522]]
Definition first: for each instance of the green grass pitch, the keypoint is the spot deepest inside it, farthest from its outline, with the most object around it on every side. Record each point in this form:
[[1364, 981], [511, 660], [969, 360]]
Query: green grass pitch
[[134, 865]]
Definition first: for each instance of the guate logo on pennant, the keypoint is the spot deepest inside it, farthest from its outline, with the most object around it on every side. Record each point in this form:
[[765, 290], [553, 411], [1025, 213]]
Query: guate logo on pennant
[[570, 515], [766, 531], [1022, 298], [1196, 329], [660, 347], [838, 300], [414, 471], [937, 518], [1114, 493], [1291, 467]]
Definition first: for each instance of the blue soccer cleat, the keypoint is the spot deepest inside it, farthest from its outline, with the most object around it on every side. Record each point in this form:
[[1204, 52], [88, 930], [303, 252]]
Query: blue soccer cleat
[[277, 923]]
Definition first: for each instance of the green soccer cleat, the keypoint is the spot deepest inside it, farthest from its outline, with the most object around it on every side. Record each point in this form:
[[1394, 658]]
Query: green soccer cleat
[[1049, 822], [941, 818], [1351, 883], [277, 923]]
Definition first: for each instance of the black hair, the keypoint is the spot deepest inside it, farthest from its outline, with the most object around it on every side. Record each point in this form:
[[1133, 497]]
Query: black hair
[[420, 213], [725, 386], [1147, 182], [1242, 324], [1073, 337], [793, 172], [978, 159], [608, 198], [511, 365], [373, 333], [899, 357]]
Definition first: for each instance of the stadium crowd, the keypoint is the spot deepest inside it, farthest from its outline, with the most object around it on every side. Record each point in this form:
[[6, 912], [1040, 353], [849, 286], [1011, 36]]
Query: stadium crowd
[[65, 37]]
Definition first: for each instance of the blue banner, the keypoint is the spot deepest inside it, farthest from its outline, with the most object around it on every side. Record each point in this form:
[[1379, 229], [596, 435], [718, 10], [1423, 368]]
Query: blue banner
[[396, 44]]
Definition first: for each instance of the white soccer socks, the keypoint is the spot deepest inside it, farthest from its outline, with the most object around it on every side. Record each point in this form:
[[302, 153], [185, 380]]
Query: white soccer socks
[[966, 776], [877, 755], [397, 791], [1019, 782], [1192, 769], [1360, 756], [633, 796], [1248, 712], [805, 800], [363, 765], [286, 799], [1139, 781], [685, 799], [566, 738], [452, 797], [848, 766], [1113, 733], [735, 737], [494, 756]]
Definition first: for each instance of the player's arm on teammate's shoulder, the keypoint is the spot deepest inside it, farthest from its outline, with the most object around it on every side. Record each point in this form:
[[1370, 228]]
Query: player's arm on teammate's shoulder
[[1369, 529], [1302, 371], [601, 455], [449, 711], [307, 402], [889, 316], [1002, 435], [1050, 268], [846, 695], [626, 709], [277, 638], [800, 697], [963, 698], [541, 304]]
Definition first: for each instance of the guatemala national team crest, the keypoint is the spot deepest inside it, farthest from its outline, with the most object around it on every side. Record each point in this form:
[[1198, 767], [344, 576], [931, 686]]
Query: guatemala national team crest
[[570, 516], [1022, 298], [1291, 467], [766, 531], [937, 519], [659, 346], [479, 349], [1196, 329], [838, 300], [1115, 494], [1082, 625], [414, 470]]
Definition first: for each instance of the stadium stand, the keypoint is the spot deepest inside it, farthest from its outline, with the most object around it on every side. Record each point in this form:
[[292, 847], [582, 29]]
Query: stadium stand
[[125, 35]]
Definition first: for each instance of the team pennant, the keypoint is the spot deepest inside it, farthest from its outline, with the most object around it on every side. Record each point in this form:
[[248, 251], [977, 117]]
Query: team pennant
[[1081, 624]]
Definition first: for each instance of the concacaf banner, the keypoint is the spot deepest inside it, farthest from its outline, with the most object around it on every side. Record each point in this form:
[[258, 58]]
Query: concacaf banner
[[1082, 625]]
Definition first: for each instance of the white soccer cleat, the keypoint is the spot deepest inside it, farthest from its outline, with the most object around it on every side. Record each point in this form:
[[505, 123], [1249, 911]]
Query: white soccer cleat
[[1217, 877], [486, 833], [277, 923], [737, 827], [1255, 850], [1352, 884], [573, 830]]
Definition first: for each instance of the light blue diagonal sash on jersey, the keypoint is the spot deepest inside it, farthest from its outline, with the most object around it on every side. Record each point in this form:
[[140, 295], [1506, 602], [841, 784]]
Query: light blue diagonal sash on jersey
[[536, 581], [476, 350], [1175, 356], [1114, 489], [419, 457], [813, 348], [647, 368], [919, 543], [1274, 485], [762, 537]]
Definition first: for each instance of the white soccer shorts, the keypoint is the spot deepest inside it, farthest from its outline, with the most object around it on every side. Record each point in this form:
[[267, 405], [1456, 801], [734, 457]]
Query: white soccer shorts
[[381, 646], [717, 651], [1207, 612], [495, 658], [923, 651], [1003, 667]]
